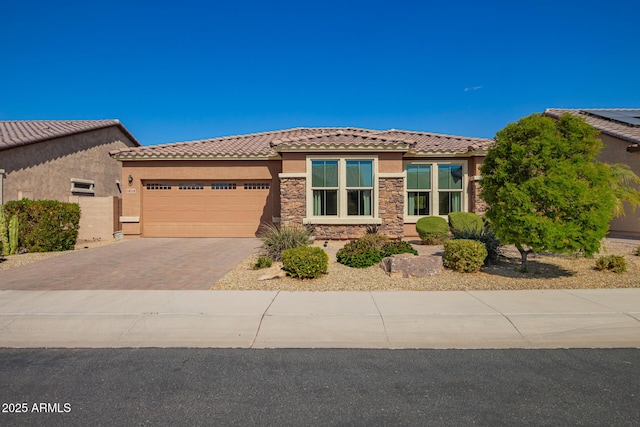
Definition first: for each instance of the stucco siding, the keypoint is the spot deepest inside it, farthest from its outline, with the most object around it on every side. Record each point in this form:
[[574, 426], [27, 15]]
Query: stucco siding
[[143, 172], [44, 170], [615, 151]]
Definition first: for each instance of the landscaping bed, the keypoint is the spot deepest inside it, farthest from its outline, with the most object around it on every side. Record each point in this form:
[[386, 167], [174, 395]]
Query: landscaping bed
[[547, 271]]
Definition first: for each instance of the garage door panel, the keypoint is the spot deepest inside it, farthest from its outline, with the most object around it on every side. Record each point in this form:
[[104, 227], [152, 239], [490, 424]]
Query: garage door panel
[[200, 211]]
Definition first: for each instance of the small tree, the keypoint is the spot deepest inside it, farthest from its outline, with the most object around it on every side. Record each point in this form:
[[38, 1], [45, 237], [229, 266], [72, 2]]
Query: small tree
[[544, 189]]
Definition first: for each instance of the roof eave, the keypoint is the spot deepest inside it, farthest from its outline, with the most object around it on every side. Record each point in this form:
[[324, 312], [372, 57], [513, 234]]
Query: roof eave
[[124, 157], [456, 153]]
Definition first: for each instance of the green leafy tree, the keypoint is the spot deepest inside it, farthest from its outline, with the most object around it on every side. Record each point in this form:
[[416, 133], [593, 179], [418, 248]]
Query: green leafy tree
[[544, 189]]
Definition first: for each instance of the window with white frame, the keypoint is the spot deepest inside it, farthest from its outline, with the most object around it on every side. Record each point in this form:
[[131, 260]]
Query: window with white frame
[[419, 190], [449, 189], [359, 187], [434, 188], [342, 188], [324, 184]]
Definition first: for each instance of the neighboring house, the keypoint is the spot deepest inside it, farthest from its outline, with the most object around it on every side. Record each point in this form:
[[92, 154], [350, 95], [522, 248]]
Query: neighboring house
[[66, 160], [620, 132], [56, 159], [339, 180]]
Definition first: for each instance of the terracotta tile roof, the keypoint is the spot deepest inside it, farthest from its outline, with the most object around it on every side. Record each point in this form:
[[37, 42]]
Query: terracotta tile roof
[[268, 144], [607, 126], [14, 133], [430, 143]]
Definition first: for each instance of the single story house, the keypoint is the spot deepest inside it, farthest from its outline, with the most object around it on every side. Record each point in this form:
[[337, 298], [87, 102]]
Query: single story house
[[338, 180], [620, 132], [56, 159]]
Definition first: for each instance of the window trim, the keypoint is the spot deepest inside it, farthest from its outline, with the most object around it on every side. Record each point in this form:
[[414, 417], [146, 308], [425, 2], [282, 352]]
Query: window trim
[[342, 217], [434, 199], [88, 189]]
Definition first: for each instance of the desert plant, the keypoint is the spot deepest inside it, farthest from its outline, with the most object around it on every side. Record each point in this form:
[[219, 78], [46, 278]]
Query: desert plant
[[358, 254], [464, 256], [398, 247], [487, 237], [465, 222], [433, 230], [371, 229], [375, 240], [13, 235], [305, 262], [262, 262], [4, 236], [276, 239], [638, 251], [615, 263]]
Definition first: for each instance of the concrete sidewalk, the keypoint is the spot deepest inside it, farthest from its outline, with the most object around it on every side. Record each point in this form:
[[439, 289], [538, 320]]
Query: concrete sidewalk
[[268, 319]]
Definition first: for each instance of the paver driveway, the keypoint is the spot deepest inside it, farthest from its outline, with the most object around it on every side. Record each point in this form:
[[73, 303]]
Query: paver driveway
[[175, 263]]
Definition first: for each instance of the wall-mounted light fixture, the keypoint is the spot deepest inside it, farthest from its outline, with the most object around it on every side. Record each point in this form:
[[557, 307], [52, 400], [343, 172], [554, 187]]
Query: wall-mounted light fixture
[[130, 179]]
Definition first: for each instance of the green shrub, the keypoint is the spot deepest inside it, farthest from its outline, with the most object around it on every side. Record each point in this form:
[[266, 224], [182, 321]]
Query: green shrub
[[615, 263], [375, 240], [305, 262], [45, 225], [487, 238], [465, 222], [4, 232], [358, 254], [465, 256], [399, 247], [433, 230], [262, 262], [276, 239]]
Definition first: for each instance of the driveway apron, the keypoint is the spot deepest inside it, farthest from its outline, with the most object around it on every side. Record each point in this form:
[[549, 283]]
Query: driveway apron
[[158, 263]]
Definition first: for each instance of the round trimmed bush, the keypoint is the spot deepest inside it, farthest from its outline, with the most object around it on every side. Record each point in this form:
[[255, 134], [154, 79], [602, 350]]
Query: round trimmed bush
[[433, 230], [305, 262], [465, 222], [464, 256], [358, 254]]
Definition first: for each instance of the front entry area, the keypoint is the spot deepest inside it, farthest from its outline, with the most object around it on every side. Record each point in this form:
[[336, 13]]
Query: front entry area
[[205, 208]]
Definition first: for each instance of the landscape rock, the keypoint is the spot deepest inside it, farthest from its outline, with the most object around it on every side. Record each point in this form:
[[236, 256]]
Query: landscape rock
[[273, 272], [408, 265]]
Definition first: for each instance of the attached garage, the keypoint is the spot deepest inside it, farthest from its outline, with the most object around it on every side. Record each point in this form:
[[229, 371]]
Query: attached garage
[[205, 208]]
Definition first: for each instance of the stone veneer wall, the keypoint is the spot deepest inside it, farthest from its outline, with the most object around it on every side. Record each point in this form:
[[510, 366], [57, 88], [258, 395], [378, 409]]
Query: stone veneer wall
[[478, 205], [391, 208], [292, 201]]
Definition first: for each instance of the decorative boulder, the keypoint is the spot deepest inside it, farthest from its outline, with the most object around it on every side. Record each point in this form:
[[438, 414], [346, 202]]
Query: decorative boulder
[[273, 272], [408, 265]]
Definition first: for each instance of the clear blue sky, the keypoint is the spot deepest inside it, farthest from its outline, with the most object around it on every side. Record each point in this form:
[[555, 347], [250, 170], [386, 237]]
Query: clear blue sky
[[187, 70]]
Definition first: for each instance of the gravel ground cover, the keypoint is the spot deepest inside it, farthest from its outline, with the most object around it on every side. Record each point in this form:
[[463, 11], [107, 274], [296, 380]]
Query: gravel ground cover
[[547, 271]]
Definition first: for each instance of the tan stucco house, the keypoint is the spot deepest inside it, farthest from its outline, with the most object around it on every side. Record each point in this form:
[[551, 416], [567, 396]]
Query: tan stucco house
[[57, 159], [339, 180], [620, 132]]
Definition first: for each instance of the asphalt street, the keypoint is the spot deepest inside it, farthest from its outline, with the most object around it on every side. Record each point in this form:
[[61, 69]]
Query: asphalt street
[[319, 387]]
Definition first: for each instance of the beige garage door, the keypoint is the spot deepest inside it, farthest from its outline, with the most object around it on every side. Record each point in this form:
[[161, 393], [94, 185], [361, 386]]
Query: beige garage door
[[205, 208]]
